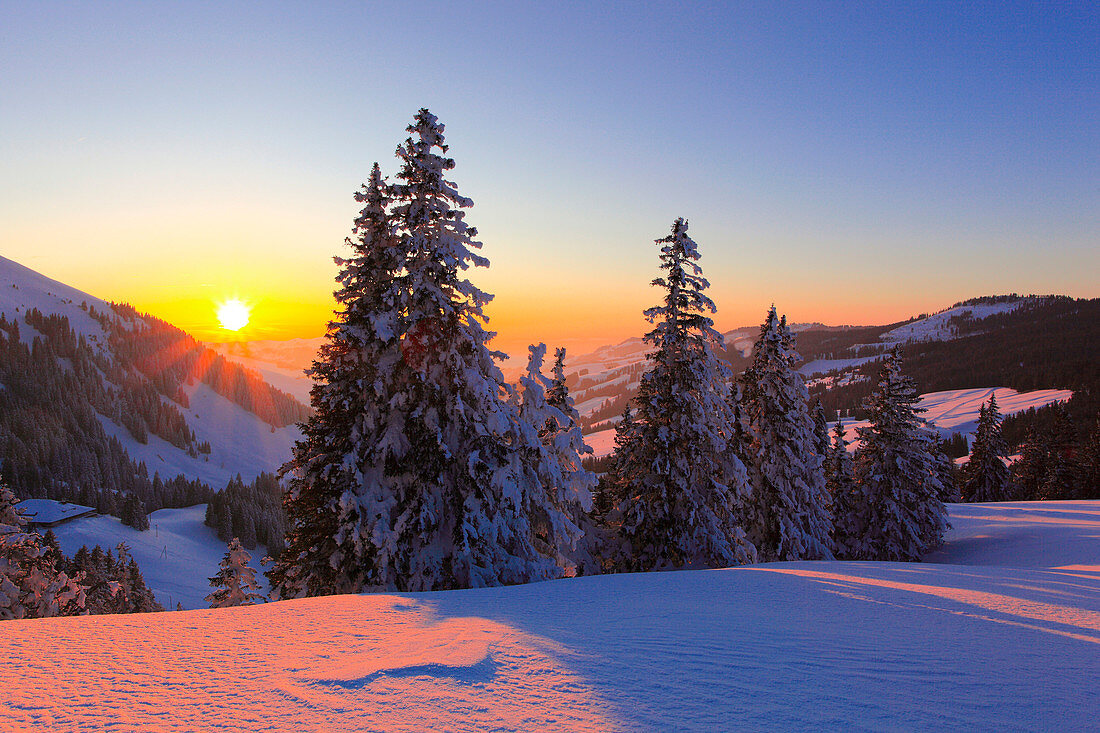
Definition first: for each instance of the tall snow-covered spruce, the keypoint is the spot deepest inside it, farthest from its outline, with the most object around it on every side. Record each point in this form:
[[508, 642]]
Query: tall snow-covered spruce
[[897, 500], [326, 550], [789, 508], [680, 487], [415, 472]]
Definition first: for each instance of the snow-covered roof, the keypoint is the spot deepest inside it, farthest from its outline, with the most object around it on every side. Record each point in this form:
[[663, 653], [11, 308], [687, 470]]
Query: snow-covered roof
[[48, 511]]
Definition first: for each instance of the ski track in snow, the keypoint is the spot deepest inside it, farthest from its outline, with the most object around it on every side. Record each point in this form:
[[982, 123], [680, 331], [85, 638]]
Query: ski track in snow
[[956, 411], [1000, 630]]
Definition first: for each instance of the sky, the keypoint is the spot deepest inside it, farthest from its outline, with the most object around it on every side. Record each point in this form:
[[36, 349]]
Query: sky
[[850, 162]]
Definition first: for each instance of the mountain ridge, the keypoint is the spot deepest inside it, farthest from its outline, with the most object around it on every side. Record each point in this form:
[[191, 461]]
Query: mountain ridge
[[96, 399]]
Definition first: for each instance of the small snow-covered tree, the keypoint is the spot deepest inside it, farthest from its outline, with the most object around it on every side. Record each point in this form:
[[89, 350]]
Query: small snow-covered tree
[[986, 475], [848, 530], [1088, 483], [789, 507], [30, 584], [681, 487], [545, 406], [898, 488], [1028, 471], [560, 432], [821, 430], [946, 471], [614, 485], [235, 584], [1060, 477]]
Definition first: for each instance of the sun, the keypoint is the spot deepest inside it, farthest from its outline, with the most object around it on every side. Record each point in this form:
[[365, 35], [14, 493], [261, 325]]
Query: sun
[[233, 314]]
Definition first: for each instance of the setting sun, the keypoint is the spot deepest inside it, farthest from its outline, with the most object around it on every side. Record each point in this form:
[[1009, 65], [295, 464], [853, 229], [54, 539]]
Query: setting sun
[[233, 314]]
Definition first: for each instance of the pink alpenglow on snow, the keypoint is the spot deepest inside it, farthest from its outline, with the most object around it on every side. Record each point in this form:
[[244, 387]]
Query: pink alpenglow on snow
[[342, 663], [998, 630]]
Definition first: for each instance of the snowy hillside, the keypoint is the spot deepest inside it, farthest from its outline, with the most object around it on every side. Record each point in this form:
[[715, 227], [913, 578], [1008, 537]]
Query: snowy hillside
[[1010, 644], [953, 411], [239, 440], [938, 327], [177, 554], [22, 289], [956, 411], [282, 363]]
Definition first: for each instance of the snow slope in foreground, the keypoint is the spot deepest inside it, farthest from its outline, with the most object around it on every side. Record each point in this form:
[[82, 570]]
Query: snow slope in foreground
[[177, 554], [785, 646]]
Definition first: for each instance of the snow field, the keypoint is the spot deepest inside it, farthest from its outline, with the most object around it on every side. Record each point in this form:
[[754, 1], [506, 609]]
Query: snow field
[[783, 646], [956, 411]]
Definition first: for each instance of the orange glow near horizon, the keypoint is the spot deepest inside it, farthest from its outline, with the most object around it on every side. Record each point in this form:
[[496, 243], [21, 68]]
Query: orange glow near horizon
[[580, 321], [580, 307]]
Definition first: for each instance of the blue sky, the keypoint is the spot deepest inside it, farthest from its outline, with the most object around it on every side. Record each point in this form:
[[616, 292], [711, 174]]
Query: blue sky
[[850, 162]]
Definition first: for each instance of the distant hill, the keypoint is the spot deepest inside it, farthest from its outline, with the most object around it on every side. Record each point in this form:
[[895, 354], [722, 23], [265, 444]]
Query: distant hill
[[1023, 343], [282, 363]]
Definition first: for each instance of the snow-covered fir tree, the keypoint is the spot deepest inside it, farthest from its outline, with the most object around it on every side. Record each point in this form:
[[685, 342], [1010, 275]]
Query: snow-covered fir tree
[[821, 430], [614, 485], [545, 406], [946, 471], [789, 509], [898, 505], [138, 597], [1088, 475], [1059, 478], [235, 584], [840, 484], [1028, 471], [681, 487], [325, 550], [986, 475], [415, 472], [30, 584]]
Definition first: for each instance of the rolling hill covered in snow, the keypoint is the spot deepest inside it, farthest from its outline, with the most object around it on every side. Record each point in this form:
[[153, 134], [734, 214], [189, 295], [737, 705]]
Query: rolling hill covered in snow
[[96, 397], [998, 630], [177, 554]]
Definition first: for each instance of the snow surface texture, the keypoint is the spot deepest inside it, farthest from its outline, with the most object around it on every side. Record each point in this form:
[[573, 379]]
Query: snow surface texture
[[1004, 636], [177, 555]]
